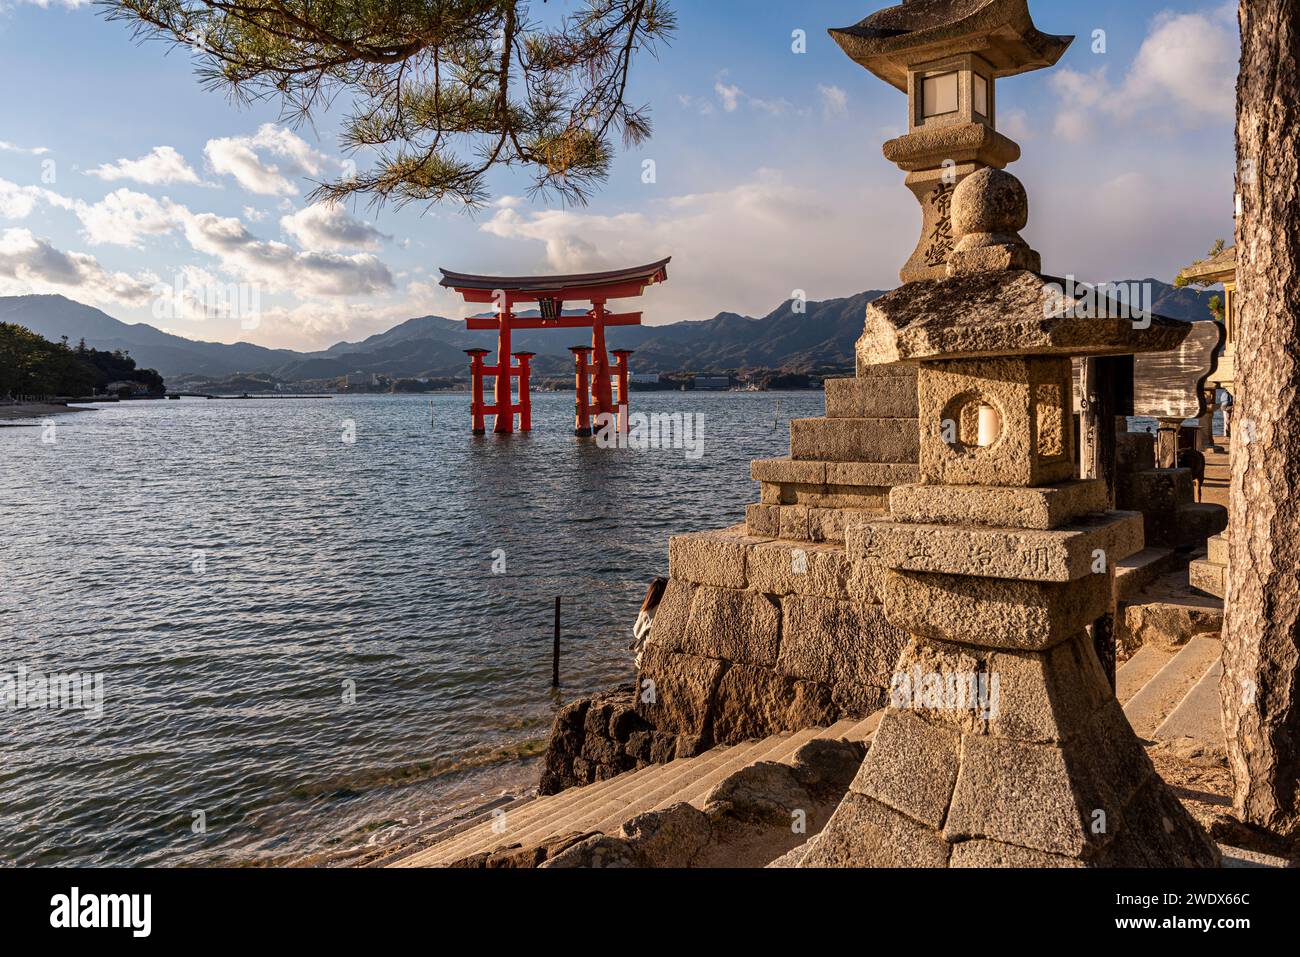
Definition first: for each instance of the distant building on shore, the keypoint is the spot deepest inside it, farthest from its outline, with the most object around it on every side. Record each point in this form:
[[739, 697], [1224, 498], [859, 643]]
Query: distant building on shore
[[712, 383]]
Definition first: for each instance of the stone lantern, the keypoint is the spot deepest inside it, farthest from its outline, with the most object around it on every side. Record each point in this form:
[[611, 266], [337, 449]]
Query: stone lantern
[[947, 56], [1003, 743]]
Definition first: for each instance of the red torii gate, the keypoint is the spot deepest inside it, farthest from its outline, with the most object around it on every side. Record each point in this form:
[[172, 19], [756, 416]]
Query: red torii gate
[[551, 293]]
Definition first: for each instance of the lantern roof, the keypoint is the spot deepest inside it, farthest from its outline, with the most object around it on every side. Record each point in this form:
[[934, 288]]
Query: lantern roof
[[890, 41], [1008, 313]]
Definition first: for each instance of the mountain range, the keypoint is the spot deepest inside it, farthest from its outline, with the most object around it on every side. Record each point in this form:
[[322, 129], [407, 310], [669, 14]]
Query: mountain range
[[821, 337]]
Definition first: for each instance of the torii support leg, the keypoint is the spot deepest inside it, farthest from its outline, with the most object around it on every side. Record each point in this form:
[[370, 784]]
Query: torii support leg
[[525, 391], [601, 391], [621, 357], [476, 390], [582, 408], [505, 413]]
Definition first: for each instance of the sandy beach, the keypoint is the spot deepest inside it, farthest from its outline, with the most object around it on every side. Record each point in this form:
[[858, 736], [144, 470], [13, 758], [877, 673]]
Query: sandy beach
[[36, 410]]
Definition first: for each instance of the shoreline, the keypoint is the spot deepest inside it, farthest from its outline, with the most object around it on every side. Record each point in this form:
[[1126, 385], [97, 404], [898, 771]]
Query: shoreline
[[37, 410]]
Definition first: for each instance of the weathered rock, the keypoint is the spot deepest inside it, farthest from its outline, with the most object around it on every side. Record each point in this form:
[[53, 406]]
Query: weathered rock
[[598, 851], [672, 837], [1168, 625], [824, 766], [763, 793]]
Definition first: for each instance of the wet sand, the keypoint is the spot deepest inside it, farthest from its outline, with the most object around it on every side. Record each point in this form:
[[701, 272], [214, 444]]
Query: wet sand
[[36, 410]]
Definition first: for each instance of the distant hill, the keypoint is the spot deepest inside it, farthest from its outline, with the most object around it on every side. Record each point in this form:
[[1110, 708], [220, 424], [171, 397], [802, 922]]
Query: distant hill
[[822, 336], [57, 316]]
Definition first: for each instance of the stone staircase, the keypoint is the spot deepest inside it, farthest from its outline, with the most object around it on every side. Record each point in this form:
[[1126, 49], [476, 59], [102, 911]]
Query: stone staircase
[[841, 466], [1210, 574], [1165, 497], [604, 807], [1169, 695]]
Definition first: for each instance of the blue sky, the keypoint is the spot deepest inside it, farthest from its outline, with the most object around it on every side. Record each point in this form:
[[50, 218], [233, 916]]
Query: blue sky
[[769, 174]]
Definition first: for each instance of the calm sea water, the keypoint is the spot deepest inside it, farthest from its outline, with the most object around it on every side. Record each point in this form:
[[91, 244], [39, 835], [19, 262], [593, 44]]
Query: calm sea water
[[237, 573]]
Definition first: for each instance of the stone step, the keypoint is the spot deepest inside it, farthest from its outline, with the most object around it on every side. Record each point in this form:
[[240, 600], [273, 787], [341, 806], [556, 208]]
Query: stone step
[[1237, 857], [782, 749], [1185, 527], [865, 729], [551, 810], [1208, 577], [605, 806], [1199, 715], [1136, 572], [1148, 709], [457, 847], [878, 440], [821, 472], [585, 815], [876, 396], [1133, 674], [1218, 548], [1202, 520], [798, 523]]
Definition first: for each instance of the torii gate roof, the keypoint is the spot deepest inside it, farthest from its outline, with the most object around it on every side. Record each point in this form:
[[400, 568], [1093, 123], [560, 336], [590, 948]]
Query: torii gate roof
[[616, 284]]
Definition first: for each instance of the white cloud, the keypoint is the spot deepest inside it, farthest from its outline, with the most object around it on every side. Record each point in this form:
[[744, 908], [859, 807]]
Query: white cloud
[[1184, 75], [32, 265], [279, 267], [729, 94], [835, 100], [160, 165], [242, 157], [1189, 61], [329, 227], [731, 248], [125, 218], [17, 202], [6, 147]]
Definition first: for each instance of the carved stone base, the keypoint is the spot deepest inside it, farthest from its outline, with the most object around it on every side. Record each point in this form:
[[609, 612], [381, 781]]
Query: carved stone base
[[993, 758]]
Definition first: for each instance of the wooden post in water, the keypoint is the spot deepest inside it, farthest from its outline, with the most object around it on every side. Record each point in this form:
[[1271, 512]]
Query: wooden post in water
[[555, 648]]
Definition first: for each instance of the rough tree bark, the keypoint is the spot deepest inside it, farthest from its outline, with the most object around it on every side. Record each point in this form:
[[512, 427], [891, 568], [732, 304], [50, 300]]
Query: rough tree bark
[[1261, 681]]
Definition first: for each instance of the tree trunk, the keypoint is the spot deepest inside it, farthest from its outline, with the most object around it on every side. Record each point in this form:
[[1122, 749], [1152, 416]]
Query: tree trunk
[[1261, 696]]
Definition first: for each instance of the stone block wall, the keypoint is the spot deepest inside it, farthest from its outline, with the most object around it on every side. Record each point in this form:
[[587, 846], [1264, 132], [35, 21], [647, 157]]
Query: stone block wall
[[756, 636], [765, 627]]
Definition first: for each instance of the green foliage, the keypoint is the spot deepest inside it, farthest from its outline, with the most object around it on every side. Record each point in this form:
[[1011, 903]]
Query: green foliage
[[1216, 308], [1182, 282], [32, 365], [441, 91]]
